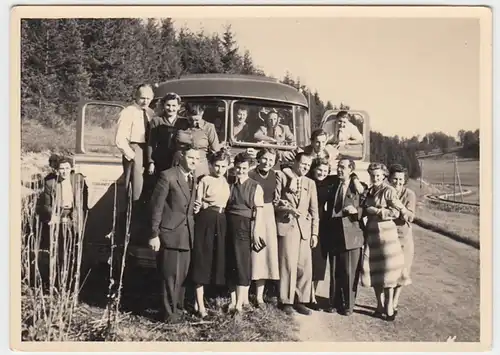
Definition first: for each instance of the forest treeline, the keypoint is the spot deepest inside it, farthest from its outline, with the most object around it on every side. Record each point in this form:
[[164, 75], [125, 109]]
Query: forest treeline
[[66, 60]]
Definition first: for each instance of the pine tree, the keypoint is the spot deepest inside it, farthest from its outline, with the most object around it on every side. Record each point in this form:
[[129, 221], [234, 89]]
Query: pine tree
[[69, 66]]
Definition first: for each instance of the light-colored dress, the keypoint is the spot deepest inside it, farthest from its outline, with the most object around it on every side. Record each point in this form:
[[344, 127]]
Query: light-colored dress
[[265, 263], [383, 258], [405, 233]]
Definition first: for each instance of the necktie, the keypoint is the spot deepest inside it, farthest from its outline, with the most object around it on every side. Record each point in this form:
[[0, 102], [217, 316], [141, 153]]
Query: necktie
[[146, 125], [190, 181], [338, 201]]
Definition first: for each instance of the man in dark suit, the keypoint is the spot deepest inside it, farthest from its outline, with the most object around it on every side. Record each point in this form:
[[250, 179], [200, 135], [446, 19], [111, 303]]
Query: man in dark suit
[[346, 240], [172, 225]]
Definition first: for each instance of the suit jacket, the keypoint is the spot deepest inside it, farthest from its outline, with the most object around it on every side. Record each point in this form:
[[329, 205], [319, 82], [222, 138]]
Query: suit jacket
[[172, 216], [306, 201], [51, 196], [346, 232]]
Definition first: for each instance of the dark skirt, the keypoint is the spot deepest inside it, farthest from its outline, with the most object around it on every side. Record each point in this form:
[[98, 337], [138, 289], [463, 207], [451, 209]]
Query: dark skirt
[[209, 249], [319, 255], [239, 271]]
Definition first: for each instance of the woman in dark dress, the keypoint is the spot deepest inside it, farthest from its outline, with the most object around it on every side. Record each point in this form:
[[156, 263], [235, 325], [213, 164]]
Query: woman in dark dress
[[244, 229], [209, 251], [320, 173]]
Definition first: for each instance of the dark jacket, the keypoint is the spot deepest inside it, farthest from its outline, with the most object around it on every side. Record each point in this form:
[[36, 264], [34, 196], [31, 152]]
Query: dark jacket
[[172, 217], [51, 195], [346, 232]]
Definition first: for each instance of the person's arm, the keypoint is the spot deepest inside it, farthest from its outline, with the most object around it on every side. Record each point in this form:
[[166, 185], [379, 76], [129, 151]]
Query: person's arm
[[200, 192], [261, 135], [122, 137], [410, 207], [259, 217], [158, 200], [289, 138], [44, 202], [152, 140], [213, 139], [354, 136], [393, 205], [313, 212]]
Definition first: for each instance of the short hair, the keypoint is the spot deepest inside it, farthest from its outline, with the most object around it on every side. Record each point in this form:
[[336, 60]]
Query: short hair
[[187, 147], [376, 166], [143, 85], [318, 162], [352, 164], [242, 157], [63, 160], [398, 168], [54, 160], [194, 109], [170, 96], [342, 114], [265, 151], [219, 156], [240, 107], [318, 132], [299, 156]]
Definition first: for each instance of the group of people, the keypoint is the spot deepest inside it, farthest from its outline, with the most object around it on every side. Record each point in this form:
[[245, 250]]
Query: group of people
[[264, 225], [214, 221]]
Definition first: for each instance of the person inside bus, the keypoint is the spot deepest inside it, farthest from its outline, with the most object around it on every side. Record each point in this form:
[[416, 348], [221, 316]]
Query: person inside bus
[[241, 129], [201, 134], [273, 131], [163, 129], [346, 133]]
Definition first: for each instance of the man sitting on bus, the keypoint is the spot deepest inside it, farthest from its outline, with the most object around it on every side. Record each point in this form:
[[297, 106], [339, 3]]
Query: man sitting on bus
[[273, 131], [346, 133]]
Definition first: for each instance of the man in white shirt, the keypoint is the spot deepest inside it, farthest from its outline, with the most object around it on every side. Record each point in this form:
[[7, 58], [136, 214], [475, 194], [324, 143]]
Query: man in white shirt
[[131, 138], [346, 132]]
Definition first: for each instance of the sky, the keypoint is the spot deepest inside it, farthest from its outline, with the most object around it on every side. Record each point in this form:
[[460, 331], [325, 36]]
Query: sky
[[412, 75]]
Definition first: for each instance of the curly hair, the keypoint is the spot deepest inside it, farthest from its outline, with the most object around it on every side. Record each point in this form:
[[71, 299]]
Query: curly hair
[[376, 166], [194, 109], [398, 168], [316, 163], [170, 96], [265, 151], [242, 157], [219, 156]]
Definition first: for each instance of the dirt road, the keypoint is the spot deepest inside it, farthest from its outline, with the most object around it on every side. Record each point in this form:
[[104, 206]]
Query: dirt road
[[442, 301]]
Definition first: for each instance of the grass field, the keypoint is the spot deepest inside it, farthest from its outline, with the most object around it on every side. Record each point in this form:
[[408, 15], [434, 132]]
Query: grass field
[[438, 171]]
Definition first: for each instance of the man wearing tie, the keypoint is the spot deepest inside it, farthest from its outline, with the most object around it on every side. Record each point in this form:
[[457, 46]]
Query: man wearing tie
[[297, 225], [131, 139], [172, 222], [344, 245]]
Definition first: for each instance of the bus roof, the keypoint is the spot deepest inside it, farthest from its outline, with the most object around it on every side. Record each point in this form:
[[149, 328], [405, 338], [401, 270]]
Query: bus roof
[[232, 86]]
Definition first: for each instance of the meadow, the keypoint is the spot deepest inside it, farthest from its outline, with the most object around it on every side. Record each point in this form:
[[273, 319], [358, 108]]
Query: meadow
[[440, 171]]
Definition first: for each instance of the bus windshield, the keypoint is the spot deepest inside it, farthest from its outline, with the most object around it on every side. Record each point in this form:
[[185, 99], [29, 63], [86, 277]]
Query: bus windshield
[[255, 122]]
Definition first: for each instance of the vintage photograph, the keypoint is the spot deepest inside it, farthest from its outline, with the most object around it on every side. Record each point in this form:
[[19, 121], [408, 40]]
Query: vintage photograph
[[251, 178]]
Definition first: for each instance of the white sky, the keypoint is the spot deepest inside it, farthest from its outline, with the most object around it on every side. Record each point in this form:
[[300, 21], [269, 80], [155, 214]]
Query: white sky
[[412, 76]]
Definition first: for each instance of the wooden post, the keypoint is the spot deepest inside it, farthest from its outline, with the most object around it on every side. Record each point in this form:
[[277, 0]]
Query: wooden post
[[459, 182], [454, 178], [421, 173]]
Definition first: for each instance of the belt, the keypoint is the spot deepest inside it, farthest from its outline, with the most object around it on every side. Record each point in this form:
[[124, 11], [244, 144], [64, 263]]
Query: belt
[[216, 209], [138, 143]]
